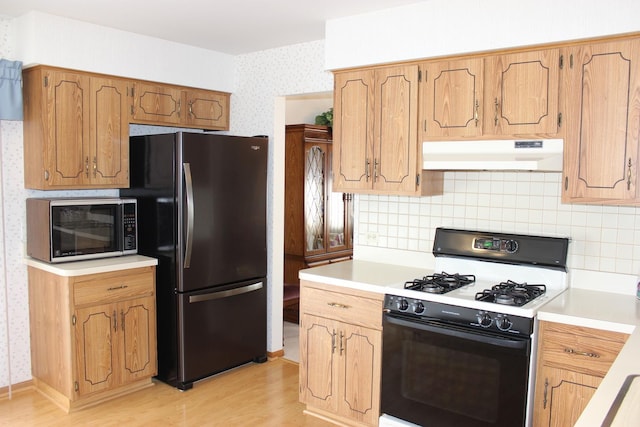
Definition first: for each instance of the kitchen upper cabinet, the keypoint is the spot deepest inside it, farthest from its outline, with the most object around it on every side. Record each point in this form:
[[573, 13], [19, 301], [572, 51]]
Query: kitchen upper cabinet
[[156, 104], [206, 109], [572, 361], [375, 133], [340, 353], [101, 329], [602, 99], [521, 93], [168, 105], [452, 93], [493, 96], [76, 130]]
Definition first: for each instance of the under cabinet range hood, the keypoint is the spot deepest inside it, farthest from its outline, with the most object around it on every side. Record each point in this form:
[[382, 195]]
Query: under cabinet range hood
[[543, 155]]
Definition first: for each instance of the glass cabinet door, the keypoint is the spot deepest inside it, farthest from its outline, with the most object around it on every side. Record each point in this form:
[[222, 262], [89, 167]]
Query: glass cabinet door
[[336, 222], [314, 201]]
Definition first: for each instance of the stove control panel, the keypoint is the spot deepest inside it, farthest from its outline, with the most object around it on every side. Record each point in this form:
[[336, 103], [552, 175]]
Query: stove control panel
[[469, 317], [495, 244]]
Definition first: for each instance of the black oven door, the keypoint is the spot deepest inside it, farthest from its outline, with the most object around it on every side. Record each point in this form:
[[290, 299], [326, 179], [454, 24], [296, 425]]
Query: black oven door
[[441, 375]]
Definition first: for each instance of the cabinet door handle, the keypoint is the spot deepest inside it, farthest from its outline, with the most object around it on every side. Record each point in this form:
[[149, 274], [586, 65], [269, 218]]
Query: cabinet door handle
[[338, 305], [581, 353], [333, 342], [95, 167], [544, 395], [376, 163], [86, 167], [342, 349], [475, 113], [495, 117], [122, 320], [115, 321], [629, 174], [367, 163]]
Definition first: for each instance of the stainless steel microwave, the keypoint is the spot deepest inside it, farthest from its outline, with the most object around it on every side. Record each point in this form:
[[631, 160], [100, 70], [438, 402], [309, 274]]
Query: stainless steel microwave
[[62, 230]]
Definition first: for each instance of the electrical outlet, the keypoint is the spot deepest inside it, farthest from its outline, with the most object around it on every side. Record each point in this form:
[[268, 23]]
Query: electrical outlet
[[372, 238]]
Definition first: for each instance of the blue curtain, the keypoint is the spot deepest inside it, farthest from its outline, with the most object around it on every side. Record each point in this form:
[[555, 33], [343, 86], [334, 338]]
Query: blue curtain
[[10, 90]]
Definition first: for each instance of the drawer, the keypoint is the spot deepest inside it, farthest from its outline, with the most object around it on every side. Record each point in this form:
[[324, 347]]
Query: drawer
[[354, 308], [116, 286], [580, 349]]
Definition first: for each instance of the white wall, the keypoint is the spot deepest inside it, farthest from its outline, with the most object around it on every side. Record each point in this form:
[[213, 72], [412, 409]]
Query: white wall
[[444, 27], [46, 39]]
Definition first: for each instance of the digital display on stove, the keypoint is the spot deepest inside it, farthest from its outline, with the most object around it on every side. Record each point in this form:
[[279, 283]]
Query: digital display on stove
[[494, 244]]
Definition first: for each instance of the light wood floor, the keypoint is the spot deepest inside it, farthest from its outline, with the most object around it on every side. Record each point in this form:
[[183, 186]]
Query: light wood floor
[[252, 395]]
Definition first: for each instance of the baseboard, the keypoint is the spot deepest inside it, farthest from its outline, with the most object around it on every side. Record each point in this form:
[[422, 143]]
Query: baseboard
[[15, 388], [275, 354]]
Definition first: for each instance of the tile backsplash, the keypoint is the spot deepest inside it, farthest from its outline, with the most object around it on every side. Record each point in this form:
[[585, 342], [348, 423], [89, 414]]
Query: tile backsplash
[[603, 238]]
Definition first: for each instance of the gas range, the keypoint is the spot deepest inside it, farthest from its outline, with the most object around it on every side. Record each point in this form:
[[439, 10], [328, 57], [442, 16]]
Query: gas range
[[468, 330], [493, 275]]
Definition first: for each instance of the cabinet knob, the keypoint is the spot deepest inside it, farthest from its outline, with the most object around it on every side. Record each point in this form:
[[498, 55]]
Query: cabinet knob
[[46, 175]]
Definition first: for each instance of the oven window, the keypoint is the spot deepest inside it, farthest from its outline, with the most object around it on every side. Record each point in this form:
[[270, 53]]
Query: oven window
[[435, 379], [81, 230]]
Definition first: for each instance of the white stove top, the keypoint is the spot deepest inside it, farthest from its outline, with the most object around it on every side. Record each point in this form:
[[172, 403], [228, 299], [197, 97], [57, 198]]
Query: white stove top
[[487, 275]]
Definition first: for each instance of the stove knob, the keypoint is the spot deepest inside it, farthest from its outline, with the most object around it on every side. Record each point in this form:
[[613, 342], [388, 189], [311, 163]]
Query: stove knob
[[403, 305], [504, 324], [511, 246], [419, 308], [484, 319]]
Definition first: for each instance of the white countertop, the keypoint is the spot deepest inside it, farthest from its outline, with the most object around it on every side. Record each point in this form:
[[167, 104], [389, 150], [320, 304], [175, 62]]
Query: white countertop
[[363, 275], [581, 307], [601, 310], [94, 266]]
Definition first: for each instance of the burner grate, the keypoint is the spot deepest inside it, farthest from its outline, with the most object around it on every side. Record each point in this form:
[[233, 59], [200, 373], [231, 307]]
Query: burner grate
[[440, 283], [511, 293]]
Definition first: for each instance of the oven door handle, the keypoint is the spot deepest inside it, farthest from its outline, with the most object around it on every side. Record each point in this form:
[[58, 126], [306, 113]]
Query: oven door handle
[[458, 332]]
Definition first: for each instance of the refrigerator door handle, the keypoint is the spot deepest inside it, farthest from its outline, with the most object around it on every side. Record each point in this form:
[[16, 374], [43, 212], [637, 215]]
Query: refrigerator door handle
[[189, 238], [225, 294]]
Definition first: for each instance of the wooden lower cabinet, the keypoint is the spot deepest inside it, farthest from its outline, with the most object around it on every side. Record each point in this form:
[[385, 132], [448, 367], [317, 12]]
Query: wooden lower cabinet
[[340, 353], [572, 360], [93, 337]]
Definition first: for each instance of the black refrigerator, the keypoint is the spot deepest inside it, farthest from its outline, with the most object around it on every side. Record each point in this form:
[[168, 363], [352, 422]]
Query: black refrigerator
[[202, 214]]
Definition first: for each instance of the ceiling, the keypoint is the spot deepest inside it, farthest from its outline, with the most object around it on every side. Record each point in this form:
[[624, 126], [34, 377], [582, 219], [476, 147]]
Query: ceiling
[[231, 26]]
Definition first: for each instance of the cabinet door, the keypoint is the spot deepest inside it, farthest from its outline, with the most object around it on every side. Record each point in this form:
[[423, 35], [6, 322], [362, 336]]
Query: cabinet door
[[395, 132], [451, 98], [315, 200], [95, 333], [109, 133], [521, 93], [353, 113], [318, 347], [359, 373], [156, 104], [66, 114], [207, 109], [137, 339], [562, 396], [603, 126]]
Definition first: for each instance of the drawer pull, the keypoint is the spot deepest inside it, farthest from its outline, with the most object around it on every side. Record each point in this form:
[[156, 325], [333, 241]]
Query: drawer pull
[[115, 288], [581, 353], [338, 305]]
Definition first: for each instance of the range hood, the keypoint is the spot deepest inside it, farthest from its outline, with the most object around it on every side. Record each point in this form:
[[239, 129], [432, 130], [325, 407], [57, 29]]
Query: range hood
[[521, 155]]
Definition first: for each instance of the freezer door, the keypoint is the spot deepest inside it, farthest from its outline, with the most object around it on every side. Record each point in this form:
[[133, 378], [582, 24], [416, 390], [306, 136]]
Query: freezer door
[[221, 328], [223, 210]]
